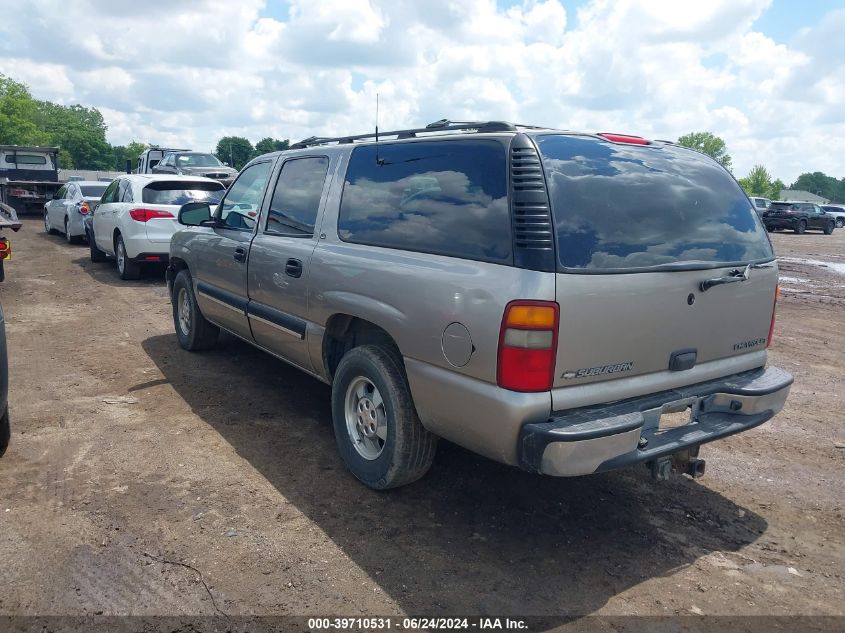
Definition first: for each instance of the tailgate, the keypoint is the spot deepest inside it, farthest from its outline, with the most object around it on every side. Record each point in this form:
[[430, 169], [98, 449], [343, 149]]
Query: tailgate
[[616, 326]]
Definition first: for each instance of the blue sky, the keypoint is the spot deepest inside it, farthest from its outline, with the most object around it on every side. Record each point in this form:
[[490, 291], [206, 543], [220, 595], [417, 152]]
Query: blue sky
[[768, 76]]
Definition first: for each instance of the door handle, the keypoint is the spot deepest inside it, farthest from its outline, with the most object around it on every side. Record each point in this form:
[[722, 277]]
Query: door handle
[[293, 268], [240, 254]]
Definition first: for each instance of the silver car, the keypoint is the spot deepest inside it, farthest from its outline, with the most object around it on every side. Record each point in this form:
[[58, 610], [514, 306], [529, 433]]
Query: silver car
[[73, 202], [566, 303]]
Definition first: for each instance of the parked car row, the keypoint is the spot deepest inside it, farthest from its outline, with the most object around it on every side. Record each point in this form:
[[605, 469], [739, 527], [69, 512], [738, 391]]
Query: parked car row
[[460, 281]]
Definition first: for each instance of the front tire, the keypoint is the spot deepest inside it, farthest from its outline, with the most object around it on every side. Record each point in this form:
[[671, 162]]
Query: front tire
[[378, 433], [801, 227], [49, 229], [193, 330], [128, 270], [97, 256], [5, 432], [828, 229]]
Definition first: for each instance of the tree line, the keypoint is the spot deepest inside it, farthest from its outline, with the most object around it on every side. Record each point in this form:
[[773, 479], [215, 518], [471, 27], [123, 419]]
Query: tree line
[[80, 133]]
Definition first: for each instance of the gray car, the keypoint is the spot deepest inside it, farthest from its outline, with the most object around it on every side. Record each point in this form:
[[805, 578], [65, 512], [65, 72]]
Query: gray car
[[567, 303], [195, 164], [73, 202]]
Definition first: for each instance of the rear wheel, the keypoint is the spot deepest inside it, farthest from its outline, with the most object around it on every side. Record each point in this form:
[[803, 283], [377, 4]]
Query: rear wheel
[[840, 222], [193, 330], [5, 431], [801, 227], [97, 255], [128, 269], [71, 239], [378, 433], [828, 229]]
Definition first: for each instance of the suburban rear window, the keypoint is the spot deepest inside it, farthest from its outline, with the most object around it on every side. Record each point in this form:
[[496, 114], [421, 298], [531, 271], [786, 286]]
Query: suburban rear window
[[166, 192], [628, 207], [93, 191], [441, 197]]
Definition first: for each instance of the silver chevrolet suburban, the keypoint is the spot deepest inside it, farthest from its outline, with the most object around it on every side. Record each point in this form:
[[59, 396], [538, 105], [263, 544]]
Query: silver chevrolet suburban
[[568, 303]]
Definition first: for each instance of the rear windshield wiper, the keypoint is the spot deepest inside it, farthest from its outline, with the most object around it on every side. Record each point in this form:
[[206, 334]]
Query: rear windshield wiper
[[734, 275]]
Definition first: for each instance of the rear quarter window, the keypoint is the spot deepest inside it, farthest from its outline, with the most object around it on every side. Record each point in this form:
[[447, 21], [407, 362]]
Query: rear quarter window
[[179, 193], [628, 207], [441, 197]]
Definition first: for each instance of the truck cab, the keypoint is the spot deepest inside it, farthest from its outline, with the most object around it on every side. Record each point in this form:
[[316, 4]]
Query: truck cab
[[29, 176]]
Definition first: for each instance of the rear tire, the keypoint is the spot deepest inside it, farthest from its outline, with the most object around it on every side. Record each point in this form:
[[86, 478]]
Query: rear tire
[[128, 270], [97, 256], [194, 332], [377, 429], [840, 222], [71, 239], [802, 227], [828, 229], [5, 431]]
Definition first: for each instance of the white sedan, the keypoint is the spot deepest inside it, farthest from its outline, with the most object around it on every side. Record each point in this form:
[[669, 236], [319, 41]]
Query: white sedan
[[66, 212], [137, 217]]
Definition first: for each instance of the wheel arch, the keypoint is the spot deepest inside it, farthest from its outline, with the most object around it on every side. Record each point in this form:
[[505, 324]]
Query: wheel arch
[[344, 332]]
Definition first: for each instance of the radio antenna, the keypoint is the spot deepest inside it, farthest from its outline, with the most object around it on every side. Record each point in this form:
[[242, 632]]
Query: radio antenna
[[378, 160]]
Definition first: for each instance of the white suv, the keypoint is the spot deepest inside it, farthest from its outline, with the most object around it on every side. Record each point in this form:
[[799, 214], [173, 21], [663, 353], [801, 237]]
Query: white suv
[[137, 217], [837, 211]]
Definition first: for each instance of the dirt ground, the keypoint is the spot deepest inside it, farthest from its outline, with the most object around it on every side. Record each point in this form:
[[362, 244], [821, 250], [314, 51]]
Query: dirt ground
[[127, 451]]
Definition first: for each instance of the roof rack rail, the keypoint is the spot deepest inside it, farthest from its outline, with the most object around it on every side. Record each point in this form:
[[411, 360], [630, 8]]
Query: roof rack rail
[[442, 125]]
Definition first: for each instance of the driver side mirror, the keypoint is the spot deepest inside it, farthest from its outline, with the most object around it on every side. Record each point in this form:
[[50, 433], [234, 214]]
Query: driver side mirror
[[195, 214]]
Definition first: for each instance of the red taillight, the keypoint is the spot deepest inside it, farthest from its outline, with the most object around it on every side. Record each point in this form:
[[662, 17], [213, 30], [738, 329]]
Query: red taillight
[[84, 209], [5, 248], [144, 215], [772, 324], [528, 346], [625, 138], [18, 193]]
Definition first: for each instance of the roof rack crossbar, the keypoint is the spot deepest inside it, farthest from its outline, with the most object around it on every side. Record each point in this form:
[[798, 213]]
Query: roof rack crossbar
[[437, 126]]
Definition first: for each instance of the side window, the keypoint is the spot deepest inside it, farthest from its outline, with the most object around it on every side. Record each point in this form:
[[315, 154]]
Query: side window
[[126, 193], [441, 197], [242, 203], [296, 199], [121, 190], [71, 193], [60, 194], [109, 195]]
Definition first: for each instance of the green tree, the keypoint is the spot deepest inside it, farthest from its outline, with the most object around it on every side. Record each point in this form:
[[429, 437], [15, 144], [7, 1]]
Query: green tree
[[18, 113], [235, 150], [122, 153], [267, 145], [758, 182], [775, 189], [80, 131], [708, 143], [818, 183]]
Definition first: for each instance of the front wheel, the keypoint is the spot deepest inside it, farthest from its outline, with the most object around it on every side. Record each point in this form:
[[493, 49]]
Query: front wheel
[[5, 431], [828, 229], [378, 433], [193, 330], [801, 227], [97, 256], [49, 229], [128, 269]]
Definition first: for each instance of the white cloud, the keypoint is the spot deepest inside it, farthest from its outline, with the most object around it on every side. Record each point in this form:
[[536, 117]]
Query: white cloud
[[187, 73]]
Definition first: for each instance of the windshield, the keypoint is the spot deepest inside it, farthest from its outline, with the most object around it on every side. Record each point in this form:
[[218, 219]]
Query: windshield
[[179, 193], [93, 191], [197, 160], [620, 207]]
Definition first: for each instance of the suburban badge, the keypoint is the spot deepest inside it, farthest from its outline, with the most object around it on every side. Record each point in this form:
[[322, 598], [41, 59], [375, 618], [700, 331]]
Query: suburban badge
[[597, 371]]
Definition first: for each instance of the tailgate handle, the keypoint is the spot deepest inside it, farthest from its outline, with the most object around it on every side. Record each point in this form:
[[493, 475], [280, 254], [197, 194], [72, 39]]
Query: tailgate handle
[[735, 275]]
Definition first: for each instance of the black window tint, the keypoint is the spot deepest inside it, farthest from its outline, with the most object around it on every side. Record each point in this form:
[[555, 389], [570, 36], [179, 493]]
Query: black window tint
[[442, 197], [625, 207], [296, 199], [181, 192], [93, 191], [26, 159], [60, 194]]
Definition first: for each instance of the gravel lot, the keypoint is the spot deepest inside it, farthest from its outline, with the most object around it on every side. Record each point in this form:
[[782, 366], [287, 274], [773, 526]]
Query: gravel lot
[[127, 451]]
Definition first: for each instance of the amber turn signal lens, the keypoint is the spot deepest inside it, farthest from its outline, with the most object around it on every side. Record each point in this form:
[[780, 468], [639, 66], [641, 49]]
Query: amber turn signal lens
[[527, 316]]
